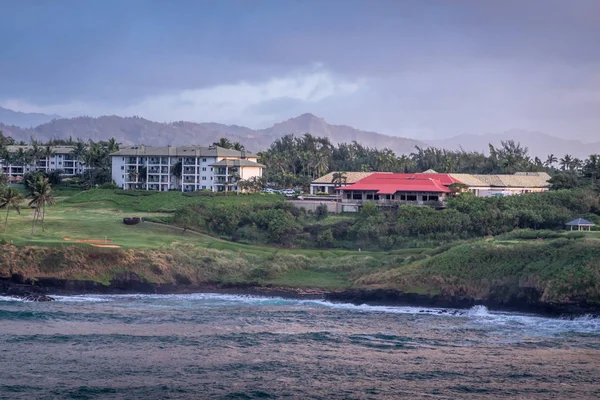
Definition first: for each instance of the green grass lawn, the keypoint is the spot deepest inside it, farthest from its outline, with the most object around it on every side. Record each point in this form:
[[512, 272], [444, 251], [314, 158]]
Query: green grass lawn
[[161, 202], [99, 213]]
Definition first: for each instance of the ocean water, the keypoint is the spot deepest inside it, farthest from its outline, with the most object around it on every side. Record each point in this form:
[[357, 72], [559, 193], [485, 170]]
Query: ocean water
[[246, 347]]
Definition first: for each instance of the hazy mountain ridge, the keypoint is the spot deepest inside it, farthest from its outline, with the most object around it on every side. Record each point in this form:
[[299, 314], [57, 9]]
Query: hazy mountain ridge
[[539, 144], [130, 130], [24, 120], [135, 130]]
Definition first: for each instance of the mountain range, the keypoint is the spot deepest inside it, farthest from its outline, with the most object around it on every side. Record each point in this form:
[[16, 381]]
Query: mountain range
[[24, 120], [136, 130]]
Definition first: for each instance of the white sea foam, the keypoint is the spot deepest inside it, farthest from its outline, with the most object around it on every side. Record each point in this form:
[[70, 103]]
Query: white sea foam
[[478, 317], [10, 298]]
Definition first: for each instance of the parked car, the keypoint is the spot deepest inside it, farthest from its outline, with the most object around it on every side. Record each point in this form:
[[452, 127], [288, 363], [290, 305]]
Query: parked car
[[271, 191], [288, 192]]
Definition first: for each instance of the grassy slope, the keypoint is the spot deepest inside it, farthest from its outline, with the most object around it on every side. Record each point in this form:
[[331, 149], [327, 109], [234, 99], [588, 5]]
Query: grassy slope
[[561, 270], [97, 214]]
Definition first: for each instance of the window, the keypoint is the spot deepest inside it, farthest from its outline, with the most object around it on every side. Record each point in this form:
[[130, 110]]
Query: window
[[411, 197], [204, 160], [211, 170], [203, 187], [122, 167], [211, 178], [203, 168], [203, 178]]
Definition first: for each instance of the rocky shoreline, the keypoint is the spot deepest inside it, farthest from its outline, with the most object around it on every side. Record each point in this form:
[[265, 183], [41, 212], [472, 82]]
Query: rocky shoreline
[[42, 289]]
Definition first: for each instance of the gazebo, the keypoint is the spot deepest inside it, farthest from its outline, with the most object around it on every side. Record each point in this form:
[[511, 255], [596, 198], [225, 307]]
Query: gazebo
[[581, 224]]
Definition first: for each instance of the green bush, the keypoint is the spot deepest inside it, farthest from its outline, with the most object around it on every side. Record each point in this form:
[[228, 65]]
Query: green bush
[[109, 185]]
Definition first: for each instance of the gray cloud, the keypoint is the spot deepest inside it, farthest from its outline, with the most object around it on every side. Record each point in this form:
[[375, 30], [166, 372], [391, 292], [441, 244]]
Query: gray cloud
[[417, 68]]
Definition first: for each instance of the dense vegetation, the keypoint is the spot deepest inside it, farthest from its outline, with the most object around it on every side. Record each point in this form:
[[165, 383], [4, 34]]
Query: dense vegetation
[[466, 217]]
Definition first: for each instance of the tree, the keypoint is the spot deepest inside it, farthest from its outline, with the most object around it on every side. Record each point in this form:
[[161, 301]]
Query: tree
[[177, 170], [224, 143], [566, 163], [10, 197], [238, 146], [41, 196], [339, 178], [550, 161]]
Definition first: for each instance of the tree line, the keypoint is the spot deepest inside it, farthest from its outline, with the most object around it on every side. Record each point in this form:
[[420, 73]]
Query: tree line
[[298, 160]]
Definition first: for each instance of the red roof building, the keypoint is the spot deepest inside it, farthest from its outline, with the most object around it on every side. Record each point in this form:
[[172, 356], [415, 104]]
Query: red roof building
[[385, 188]]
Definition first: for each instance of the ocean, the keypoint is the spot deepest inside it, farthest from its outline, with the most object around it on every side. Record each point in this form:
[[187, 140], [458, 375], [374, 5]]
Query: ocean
[[215, 346]]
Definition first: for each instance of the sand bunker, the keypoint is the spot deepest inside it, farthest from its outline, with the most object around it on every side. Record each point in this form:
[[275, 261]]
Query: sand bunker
[[107, 246], [89, 240]]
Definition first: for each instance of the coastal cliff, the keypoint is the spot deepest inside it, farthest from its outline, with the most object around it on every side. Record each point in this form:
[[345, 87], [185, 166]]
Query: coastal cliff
[[460, 277]]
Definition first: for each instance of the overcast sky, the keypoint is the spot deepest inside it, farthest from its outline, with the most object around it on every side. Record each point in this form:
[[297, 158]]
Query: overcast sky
[[423, 69]]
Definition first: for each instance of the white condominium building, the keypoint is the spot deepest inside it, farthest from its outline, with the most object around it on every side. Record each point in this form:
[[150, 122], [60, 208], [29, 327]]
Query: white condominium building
[[19, 160], [187, 168]]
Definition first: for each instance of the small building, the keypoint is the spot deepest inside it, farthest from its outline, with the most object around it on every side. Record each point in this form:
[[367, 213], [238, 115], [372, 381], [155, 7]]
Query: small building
[[580, 224]]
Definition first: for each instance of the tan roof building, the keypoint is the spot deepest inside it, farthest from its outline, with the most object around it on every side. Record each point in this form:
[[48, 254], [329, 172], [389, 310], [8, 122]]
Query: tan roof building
[[493, 185]]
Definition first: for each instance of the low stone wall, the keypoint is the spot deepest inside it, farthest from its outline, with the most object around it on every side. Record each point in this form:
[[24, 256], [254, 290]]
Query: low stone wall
[[332, 206]]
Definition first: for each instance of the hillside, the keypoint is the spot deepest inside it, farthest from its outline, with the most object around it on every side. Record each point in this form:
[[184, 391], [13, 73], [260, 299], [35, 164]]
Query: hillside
[[24, 120], [131, 130]]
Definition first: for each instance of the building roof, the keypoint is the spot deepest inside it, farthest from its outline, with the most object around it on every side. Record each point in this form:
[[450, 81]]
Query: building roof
[[580, 222], [386, 183], [237, 163], [55, 149], [351, 177], [520, 179], [181, 151]]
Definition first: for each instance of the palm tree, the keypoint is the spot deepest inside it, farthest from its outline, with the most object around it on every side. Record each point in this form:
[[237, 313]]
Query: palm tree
[[224, 143], [41, 196], [47, 152], [566, 162], [339, 179], [10, 198], [551, 160], [238, 146], [112, 145]]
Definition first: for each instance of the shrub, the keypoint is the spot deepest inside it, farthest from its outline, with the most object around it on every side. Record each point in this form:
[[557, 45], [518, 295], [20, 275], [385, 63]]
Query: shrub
[[109, 185], [321, 211]]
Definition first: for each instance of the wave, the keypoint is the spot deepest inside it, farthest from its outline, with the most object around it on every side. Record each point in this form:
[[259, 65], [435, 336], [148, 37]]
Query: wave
[[478, 317]]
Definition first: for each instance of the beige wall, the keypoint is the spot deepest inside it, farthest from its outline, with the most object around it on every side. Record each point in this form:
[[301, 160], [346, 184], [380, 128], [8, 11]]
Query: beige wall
[[249, 172]]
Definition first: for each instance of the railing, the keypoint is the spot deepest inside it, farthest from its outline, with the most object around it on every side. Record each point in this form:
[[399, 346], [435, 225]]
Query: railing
[[383, 203]]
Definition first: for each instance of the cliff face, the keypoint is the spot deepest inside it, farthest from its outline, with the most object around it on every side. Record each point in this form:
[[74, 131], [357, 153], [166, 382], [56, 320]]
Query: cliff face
[[181, 269]]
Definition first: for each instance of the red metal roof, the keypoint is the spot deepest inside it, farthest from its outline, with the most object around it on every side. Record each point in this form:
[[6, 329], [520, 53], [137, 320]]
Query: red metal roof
[[392, 183]]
